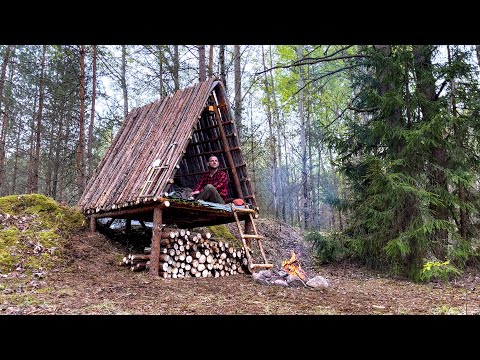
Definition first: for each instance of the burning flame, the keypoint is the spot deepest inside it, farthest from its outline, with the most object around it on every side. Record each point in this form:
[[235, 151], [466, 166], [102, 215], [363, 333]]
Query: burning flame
[[293, 267]]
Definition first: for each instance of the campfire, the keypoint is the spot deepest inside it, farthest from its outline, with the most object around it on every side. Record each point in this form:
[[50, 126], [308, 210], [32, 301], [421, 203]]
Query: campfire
[[290, 274], [293, 267]]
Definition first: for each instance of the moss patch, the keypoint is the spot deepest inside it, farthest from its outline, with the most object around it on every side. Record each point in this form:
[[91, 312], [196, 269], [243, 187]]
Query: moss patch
[[221, 232], [33, 231]]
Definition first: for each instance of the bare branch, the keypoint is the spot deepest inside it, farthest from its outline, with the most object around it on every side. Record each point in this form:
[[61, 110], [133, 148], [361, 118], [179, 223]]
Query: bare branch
[[441, 88], [310, 61], [325, 75], [362, 110]]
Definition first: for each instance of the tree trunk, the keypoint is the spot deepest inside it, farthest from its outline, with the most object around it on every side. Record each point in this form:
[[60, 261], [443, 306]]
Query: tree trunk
[[222, 66], [160, 69], [477, 49], [210, 61], [38, 131], [31, 147], [56, 161], [15, 163], [271, 142], [238, 91], [287, 175], [303, 145], [459, 135], [92, 113], [4, 129], [81, 141], [310, 189], [47, 162], [252, 146], [202, 75], [278, 155], [426, 90], [176, 68], [123, 80]]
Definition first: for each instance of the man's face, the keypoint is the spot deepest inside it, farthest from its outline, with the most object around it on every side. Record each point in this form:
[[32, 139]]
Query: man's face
[[213, 162]]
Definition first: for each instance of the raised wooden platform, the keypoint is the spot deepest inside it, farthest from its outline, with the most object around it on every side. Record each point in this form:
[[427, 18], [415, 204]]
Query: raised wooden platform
[[182, 213]]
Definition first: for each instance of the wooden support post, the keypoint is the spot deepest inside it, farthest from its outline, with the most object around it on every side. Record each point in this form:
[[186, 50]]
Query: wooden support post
[[93, 224], [156, 236], [128, 226]]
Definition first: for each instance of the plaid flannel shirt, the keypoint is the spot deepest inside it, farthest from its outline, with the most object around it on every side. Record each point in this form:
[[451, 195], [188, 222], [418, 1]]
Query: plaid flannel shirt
[[219, 180]]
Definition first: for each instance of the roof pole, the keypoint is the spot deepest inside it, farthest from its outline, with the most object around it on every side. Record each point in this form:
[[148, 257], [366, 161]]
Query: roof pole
[[236, 181]]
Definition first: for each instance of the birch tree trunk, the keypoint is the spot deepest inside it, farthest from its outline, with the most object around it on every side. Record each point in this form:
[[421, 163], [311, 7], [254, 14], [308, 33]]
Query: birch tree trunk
[[303, 147], [277, 144], [477, 49], [310, 191], [287, 176], [271, 142]]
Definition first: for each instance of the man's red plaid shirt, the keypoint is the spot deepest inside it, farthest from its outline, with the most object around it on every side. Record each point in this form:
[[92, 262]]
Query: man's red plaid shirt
[[219, 180]]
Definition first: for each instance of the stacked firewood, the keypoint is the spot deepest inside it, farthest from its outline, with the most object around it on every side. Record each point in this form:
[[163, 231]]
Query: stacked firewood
[[186, 254]]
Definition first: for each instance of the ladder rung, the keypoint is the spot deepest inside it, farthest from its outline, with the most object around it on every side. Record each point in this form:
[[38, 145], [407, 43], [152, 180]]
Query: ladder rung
[[244, 210], [247, 236], [265, 266]]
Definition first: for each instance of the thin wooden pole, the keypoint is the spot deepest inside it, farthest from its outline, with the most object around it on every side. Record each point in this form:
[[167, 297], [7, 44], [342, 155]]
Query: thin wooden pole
[[228, 154]]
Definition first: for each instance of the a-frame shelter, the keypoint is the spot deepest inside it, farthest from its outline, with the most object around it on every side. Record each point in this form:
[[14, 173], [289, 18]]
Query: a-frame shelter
[[168, 142]]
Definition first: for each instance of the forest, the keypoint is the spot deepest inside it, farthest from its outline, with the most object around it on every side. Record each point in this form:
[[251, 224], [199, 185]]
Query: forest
[[372, 150]]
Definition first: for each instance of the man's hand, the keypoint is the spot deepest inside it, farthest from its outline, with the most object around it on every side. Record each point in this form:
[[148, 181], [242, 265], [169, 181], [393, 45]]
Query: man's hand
[[195, 193]]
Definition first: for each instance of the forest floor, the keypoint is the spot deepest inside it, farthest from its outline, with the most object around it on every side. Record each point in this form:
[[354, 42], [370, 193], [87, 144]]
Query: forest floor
[[93, 282]]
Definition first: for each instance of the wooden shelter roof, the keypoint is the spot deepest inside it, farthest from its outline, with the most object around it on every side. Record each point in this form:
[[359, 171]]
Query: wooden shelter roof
[[164, 142]]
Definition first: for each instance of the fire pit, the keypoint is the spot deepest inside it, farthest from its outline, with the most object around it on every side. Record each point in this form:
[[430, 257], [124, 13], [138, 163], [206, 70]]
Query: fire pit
[[291, 274]]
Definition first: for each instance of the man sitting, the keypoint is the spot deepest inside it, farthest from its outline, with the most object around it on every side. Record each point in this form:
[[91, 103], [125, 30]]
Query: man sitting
[[213, 184]]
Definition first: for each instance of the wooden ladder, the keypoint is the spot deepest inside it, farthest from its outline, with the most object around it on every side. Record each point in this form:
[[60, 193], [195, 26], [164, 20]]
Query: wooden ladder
[[247, 238], [156, 172]]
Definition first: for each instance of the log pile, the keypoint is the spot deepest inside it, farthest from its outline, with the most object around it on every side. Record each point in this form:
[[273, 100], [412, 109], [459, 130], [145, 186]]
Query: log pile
[[186, 254]]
